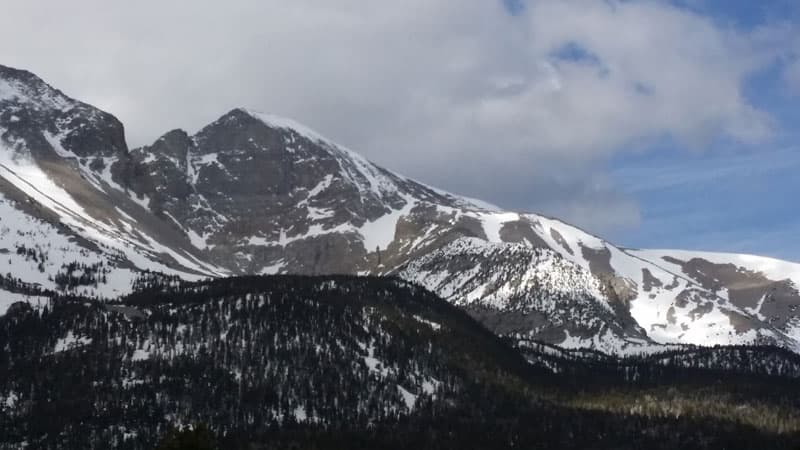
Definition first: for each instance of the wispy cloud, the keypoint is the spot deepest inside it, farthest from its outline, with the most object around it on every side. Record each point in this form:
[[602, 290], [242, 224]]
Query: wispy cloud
[[659, 174], [722, 201]]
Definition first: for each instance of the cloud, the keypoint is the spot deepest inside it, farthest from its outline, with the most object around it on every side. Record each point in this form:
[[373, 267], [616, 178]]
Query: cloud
[[521, 109]]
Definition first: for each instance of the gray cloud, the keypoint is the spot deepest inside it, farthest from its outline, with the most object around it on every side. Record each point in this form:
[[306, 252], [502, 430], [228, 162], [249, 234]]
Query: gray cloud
[[459, 94]]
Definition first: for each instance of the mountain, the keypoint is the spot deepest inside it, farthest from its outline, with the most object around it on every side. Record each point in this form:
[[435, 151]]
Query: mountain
[[253, 193], [63, 171], [357, 362]]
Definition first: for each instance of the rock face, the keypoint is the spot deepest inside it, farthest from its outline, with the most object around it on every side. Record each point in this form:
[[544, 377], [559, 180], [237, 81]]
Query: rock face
[[67, 212], [38, 114], [257, 194], [261, 194]]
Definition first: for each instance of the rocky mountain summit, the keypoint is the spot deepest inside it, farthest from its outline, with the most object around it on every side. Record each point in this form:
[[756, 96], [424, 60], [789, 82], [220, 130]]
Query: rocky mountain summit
[[253, 193]]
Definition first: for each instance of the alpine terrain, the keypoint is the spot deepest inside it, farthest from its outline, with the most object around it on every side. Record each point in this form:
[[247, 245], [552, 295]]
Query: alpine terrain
[[331, 362], [260, 284], [252, 193]]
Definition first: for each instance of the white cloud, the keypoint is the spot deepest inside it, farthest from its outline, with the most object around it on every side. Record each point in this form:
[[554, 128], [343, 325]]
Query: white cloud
[[437, 89]]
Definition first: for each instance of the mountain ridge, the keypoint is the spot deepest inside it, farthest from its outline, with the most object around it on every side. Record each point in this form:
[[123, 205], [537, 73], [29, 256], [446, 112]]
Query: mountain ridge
[[253, 193]]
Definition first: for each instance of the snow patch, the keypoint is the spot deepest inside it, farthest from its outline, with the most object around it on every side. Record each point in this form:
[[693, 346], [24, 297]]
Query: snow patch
[[430, 323], [140, 355], [408, 398], [379, 233], [493, 223], [10, 401], [9, 298], [70, 341]]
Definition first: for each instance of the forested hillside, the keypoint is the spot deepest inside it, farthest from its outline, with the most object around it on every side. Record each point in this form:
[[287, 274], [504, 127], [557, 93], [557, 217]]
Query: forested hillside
[[333, 362]]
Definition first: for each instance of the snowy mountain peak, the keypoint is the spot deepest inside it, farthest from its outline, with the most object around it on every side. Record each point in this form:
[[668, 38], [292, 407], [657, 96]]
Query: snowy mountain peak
[[49, 121], [275, 121], [23, 87], [68, 222]]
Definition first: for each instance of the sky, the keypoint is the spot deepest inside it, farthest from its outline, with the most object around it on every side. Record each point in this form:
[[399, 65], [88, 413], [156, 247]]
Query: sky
[[660, 124]]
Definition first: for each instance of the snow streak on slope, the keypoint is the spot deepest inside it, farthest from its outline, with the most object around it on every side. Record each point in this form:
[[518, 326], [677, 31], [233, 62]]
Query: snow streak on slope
[[121, 240], [362, 173], [358, 169]]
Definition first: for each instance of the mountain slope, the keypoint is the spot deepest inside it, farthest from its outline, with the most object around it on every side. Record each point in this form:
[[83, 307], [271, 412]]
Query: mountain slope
[[257, 194], [765, 288], [249, 354], [62, 171], [260, 194], [302, 360]]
